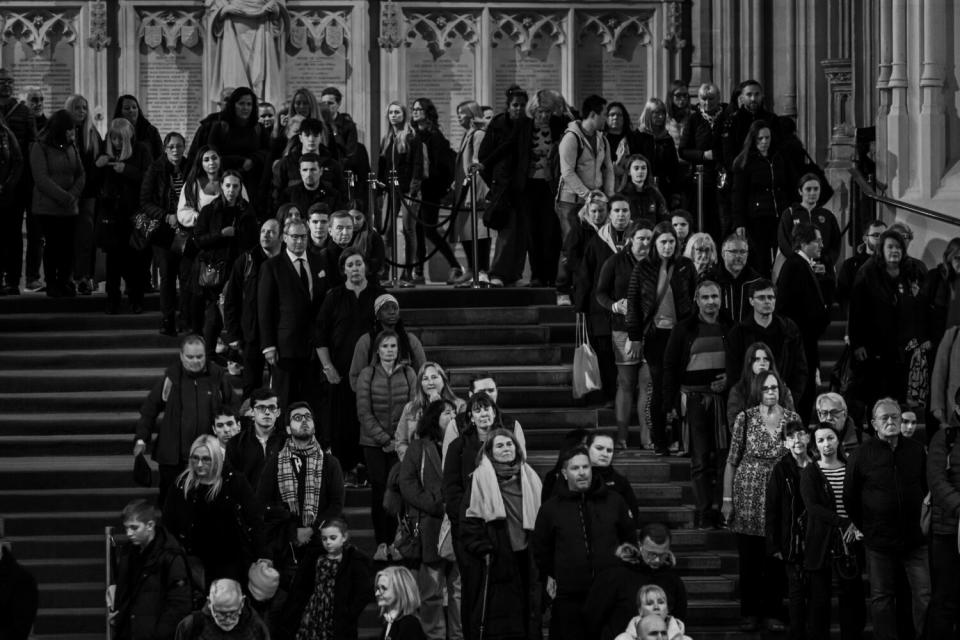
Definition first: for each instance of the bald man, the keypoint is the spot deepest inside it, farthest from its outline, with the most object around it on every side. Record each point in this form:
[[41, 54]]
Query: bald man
[[652, 627], [227, 609]]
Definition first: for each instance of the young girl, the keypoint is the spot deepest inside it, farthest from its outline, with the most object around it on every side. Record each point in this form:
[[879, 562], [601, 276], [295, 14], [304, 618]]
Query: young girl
[[652, 600], [646, 201], [591, 218], [398, 600], [331, 588]]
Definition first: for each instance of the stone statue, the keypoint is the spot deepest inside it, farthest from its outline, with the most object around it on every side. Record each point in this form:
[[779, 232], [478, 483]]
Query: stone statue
[[248, 45]]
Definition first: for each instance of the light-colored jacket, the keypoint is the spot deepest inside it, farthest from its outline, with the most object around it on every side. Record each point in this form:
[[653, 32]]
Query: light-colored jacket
[[945, 379], [58, 179], [582, 169]]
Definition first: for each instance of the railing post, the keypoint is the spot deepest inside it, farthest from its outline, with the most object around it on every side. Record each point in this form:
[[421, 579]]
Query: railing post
[[394, 215], [699, 173], [372, 202], [351, 183], [473, 221]]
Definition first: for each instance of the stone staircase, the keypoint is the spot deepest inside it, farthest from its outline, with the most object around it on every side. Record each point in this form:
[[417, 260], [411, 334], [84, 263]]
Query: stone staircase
[[72, 380]]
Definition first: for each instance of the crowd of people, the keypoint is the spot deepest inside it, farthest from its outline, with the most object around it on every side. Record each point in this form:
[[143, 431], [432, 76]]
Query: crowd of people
[[705, 312]]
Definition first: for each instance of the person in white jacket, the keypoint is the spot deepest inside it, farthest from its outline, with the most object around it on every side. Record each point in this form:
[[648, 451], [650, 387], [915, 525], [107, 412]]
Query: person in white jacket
[[652, 603]]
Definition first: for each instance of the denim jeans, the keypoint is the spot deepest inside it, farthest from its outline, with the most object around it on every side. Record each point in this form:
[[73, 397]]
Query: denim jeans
[[883, 587], [439, 584], [706, 461]]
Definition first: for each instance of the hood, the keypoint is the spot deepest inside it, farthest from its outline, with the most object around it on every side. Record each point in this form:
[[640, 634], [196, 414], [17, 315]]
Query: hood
[[606, 234]]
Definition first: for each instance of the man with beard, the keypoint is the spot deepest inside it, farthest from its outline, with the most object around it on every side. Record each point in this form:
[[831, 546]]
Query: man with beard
[[865, 250], [189, 395], [576, 536], [700, 145], [253, 447], [301, 488], [226, 615], [240, 304], [734, 278]]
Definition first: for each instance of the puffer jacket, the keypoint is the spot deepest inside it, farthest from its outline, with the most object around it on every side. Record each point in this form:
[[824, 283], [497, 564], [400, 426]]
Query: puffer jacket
[[153, 591], [58, 179], [577, 534], [582, 169], [156, 195], [642, 291], [380, 400], [760, 189], [612, 285]]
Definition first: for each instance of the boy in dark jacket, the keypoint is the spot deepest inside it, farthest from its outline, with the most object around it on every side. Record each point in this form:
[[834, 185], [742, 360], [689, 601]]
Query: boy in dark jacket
[[592, 217], [786, 519], [153, 590]]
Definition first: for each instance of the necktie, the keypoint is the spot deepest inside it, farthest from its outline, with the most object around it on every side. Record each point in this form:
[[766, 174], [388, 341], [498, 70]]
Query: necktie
[[304, 276]]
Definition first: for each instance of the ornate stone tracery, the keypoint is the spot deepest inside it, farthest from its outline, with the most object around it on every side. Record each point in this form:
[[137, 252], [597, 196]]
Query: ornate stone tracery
[[170, 28], [37, 28], [611, 27], [441, 29], [528, 31], [330, 28], [674, 39]]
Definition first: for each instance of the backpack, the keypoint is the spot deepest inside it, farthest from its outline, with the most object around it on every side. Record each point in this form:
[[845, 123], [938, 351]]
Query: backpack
[[195, 574]]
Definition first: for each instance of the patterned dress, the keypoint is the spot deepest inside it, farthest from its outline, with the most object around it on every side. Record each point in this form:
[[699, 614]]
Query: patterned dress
[[756, 461]]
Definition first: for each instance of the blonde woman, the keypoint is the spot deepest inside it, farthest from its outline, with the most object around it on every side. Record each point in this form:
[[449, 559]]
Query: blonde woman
[[434, 384], [123, 162], [88, 143], [656, 144], [398, 600], [214, 515], [470, 117], [703, 251], [400, 151]]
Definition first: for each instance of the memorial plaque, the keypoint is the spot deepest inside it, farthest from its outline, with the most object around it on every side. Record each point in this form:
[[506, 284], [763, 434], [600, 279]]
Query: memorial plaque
[[51, 70], [447, 78], [317, 68], [171, 88], [536, 69], [620, 75]]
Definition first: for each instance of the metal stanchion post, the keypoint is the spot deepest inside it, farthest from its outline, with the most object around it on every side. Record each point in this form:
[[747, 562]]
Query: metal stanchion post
[[351, 183], [699, 173], [372, 201], [394, 220], [473, 221]]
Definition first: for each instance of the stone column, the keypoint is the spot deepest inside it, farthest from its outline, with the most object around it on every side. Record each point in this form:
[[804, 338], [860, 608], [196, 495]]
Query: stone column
[[883, 99], [932, 126], [898, 121], [92, 64], [789, 107], [701, 35]]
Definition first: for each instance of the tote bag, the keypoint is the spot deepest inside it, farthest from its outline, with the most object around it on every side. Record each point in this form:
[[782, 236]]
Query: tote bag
[[586, 369]]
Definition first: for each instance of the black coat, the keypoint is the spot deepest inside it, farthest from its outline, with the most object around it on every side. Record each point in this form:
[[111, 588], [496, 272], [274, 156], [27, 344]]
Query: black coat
[[156, 197], [613, 283], [786, 515], [343, 318], [513, 597], [285, 310], [248, 458], [585, 284], [823, 523], [647, 203], [188, 411], [698, 137], [18, 598], [240, 299], [353, 591], [505, 152], [783, 337], [734, 126], [943, 477], [213, 219], [612, 600], [154, 591], [760, 189], [676, 357], [642, 292], [664, 161], [883, 489], [404, 628], [577, 534], [802, 299], [119, 197], [734, 291]]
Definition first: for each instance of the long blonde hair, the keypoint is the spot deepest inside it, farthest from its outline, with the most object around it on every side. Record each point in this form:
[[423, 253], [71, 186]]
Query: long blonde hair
[[190, 480], [121, 127], [404, 586], [420, 401], [89, 135], [402, 136]]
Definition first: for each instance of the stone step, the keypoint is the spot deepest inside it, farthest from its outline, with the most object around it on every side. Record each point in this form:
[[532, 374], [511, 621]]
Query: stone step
[[72, 594], [162, 357], [112, 378]]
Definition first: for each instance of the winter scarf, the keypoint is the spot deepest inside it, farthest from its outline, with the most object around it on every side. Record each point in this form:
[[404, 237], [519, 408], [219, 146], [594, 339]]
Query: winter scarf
[[486, 501], [287, 479]]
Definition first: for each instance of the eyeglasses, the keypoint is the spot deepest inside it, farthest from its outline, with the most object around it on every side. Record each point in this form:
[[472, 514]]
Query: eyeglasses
[[701, 249], [416, 109], [874, 235], [297, 236], [226, 615], [888, 417], [736, 252], [796, 435], [265, 408], [301, 417], [654, 555], [771, 387], [203, 459], [832, 413]]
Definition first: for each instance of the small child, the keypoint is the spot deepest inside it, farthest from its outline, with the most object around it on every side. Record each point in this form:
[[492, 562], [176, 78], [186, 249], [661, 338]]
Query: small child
[[652, 600], [330, 590]]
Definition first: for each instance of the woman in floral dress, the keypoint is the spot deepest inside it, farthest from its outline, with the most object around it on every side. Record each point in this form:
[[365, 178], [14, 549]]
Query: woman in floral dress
[[755, 447]]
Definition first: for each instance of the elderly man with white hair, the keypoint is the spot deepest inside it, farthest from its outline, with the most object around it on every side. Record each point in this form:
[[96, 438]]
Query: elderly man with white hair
[[229, 611], [832, 408]]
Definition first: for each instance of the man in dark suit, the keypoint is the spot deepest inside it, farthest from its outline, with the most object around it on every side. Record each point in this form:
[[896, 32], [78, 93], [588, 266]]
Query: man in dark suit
[[805, 304], [288, 298]]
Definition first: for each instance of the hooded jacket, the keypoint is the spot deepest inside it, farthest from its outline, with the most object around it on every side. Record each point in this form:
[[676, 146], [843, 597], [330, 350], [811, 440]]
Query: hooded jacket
[[153, 589], [599, 248], [188, 402], [585, 166], [577, 534], [612, 600], [642, 291], [612, 284], [734, 290], [381, 397], [646, 203]]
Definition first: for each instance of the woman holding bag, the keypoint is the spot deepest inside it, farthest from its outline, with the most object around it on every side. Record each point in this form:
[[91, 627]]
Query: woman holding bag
[[470, 116], [421, 485]]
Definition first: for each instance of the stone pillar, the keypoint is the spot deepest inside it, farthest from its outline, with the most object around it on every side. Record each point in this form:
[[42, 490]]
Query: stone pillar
[[883, 99], [789, 106], [931, 152], [701, 35], [898, 121]]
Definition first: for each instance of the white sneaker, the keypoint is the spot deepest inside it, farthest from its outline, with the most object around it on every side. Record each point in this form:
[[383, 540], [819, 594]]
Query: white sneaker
[[381, 555], [563, 300]]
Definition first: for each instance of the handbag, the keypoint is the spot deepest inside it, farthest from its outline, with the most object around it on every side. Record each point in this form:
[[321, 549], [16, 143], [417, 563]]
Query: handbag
[[142, 474], [144, 230], [211, 274], [842, 373], [407, 540], [926, 516], [844, 560], [586, 368], [445, 541]]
